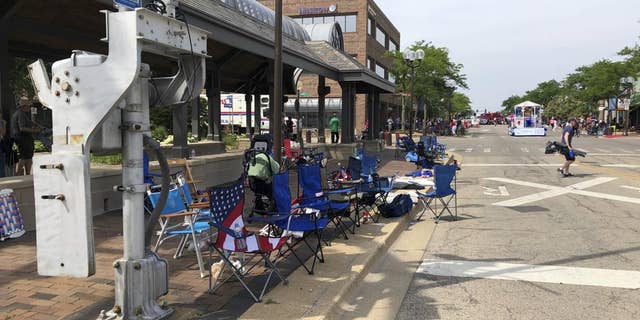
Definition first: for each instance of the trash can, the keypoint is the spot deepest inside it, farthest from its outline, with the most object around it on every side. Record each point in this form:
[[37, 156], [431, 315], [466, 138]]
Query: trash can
[[308, 136]]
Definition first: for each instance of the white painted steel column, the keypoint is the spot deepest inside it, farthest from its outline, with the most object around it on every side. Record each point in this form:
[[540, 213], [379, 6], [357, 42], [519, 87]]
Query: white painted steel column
[[132, 175]]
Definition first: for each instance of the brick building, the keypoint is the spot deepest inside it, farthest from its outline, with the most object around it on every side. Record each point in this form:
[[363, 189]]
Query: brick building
[[367, 34]]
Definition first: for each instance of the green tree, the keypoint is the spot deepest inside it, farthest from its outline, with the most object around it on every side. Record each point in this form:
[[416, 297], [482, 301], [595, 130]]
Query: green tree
[[510, 102], [436, 77], [461, 104]]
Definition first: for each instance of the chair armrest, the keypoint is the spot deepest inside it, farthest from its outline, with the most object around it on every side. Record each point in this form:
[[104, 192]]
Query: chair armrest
[[180, 214], [228, 231], [199, 205]]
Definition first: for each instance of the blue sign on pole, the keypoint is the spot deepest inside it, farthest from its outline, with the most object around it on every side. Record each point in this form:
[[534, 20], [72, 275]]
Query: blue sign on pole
[[128, 3], [613, 103]]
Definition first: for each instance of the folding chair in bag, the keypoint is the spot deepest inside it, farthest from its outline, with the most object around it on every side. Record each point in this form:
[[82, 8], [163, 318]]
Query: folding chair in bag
[[304, 223], [337, 203], [184, 228], [445, 176], [227, 203]]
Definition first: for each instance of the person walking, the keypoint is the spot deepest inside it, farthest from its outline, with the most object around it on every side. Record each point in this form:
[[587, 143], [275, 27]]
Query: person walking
[[334, 126], [22, 130], [567, 137]]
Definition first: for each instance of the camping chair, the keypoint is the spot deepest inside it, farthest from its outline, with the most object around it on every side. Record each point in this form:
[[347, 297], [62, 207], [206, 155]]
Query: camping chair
[[313, 196], [199, 205], [371, 189], [444, 177], [187, 226], [227, 204], [305, 222]]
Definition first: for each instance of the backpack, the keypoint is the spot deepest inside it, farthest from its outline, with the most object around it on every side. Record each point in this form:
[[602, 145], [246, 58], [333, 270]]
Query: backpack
[[400, 206]]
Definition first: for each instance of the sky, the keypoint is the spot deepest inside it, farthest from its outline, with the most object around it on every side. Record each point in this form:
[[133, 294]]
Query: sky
[[509, 46]]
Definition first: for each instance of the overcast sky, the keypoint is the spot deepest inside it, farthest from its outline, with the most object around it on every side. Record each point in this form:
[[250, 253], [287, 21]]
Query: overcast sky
[[509, 46]]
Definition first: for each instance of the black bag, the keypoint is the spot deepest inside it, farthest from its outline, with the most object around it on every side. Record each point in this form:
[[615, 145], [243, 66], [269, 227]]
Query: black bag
[[400, 206]]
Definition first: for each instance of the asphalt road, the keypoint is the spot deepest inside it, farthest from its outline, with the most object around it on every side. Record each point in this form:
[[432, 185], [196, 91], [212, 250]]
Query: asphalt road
[[516, 214]]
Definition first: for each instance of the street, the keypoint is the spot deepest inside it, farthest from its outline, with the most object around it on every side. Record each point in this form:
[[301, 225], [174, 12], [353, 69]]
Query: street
[[530, 244]]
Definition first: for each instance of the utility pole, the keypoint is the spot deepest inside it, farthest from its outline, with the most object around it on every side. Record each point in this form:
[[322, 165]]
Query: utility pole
[[277, 85]]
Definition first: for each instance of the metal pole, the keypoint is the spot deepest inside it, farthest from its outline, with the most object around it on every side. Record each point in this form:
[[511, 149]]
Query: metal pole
[[277, 83], [321, 108], [412, 125], [133, 202], [403, 111]]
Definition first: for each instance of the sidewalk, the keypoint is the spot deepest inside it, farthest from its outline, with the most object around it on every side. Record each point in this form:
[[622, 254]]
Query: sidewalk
[[26, 295]]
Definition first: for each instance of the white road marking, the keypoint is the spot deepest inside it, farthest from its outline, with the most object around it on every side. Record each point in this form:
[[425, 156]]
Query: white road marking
[[603, 150], [468, 150], [541, 149], [452, 149], [627, 151], [487, 150], [631, 188], [501, 191], [554, 191], [615, 154], [532, 273], [630, 166], [524, 149], [515, 165]]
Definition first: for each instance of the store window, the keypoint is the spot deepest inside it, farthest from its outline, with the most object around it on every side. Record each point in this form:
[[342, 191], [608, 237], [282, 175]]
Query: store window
[[381, 37]]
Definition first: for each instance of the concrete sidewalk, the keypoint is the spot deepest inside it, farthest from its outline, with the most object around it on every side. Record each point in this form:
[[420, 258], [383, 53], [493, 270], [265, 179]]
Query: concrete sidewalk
[[26, 295]]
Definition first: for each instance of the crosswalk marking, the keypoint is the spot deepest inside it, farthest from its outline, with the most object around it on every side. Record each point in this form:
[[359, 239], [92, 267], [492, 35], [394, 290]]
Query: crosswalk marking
[[487, 150], [627, 151], [468, 150], [532, 273], [603, 150], [452, 149]]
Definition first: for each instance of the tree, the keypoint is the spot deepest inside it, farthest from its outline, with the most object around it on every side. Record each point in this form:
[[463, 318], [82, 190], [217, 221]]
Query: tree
[[461, 104], [510, 102], [436, 77], [544, 92]]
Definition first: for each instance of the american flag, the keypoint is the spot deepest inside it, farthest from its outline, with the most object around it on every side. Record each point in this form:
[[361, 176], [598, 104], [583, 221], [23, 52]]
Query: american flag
[[227, 203]]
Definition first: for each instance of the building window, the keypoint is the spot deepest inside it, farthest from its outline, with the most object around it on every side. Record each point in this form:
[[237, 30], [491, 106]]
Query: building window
[[393, 46], [371, 65], [381, 36], [381, 71], [348, 23], [350, 26], [392, 79], [370, 24]]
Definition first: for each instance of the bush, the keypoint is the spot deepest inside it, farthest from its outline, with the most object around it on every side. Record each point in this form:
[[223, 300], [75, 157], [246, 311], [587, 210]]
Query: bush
[[113, 159], [230, 141], [168, 140], [38, 146], [159, 133]]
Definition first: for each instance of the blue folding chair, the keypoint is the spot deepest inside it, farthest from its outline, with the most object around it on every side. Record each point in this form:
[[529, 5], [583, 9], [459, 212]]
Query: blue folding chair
[[313, 196], [186, 227], [303, 221], [445, 176], [371, 189]]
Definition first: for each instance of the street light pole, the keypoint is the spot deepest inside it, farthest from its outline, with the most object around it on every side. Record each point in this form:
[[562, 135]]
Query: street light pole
[[413, 60]]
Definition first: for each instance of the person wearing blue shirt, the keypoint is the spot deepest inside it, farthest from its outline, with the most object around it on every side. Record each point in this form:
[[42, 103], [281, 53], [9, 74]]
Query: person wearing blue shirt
[[567, 136]]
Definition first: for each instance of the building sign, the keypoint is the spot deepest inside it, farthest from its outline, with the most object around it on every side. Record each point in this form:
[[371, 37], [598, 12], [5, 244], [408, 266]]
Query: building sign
[[319, 10], [227, 102]]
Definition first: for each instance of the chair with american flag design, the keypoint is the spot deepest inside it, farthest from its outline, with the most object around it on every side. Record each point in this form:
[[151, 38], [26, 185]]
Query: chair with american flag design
[[227, 204]]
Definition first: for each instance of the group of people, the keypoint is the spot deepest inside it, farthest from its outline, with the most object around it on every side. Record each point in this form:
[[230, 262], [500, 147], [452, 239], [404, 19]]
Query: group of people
[[23, 129]]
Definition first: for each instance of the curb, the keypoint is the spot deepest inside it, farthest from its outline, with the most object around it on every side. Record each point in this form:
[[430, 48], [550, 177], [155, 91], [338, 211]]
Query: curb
[[321, 303], [346, 290]]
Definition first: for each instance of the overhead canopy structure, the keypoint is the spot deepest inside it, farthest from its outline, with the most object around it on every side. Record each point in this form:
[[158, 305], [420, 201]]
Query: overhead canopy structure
[[527, 104], [241, 46]]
